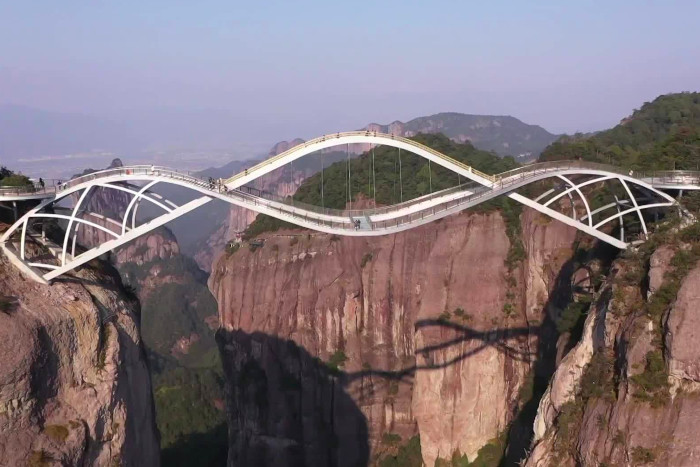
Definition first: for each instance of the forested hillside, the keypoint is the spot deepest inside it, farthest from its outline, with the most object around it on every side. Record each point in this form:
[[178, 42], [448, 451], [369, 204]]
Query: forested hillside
[[663, 135], [178, 322]]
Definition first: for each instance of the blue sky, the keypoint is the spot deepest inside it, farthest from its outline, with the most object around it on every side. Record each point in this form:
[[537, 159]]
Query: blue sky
[[314, 67]]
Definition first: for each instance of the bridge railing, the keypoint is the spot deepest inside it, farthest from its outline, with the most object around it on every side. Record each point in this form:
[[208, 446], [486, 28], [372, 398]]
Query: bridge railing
[[539, 168], [431, 211], [344, 223], [467, 187], [34, 188], [324, 138], [673, 177], [148, 170]]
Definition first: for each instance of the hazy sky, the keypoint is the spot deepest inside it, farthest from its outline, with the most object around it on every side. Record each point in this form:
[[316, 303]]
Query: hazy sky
[[315, 67]]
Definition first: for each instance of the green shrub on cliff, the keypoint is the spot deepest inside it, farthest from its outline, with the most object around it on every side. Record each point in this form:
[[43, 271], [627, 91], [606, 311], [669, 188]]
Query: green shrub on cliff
[[58, 433], [491, 454], [652, 383], [391, 439], [571, 316], [407, 455], [642, 455], [337, 361]]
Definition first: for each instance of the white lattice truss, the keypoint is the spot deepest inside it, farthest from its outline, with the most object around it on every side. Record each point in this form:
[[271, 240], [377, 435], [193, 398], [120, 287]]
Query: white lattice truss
[[139, 182]]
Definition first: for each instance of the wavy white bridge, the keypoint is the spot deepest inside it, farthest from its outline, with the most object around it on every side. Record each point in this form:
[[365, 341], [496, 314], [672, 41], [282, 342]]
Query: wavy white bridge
[[568, 186]]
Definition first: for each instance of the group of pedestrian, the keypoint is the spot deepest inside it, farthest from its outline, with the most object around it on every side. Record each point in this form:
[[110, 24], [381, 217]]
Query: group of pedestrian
[[356, 222], [216, 184]]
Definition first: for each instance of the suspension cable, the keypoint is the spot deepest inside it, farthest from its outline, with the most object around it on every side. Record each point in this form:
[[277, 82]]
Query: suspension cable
[[393, 193], [369, 176], [374, 179], [400, 178], [347, 151], [323, 205], [430, 177], [291, 180]]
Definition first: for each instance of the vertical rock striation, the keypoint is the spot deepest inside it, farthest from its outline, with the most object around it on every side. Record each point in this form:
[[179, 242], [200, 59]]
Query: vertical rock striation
[[425, 332]]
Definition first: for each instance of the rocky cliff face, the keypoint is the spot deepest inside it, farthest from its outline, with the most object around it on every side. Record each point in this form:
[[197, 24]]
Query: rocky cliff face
[[158, 244], [368, 342], [282, 182], [74, 385], [627, 393], [170, 287]]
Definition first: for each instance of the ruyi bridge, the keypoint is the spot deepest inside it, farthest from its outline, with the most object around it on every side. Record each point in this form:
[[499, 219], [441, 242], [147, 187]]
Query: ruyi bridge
[[614, 205]]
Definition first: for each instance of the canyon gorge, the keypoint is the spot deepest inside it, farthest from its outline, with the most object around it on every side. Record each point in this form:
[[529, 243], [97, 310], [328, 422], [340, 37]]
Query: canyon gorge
[[495, 336]]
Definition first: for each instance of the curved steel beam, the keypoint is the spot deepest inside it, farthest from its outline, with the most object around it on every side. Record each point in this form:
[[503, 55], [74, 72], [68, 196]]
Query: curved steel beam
[[76, 220], [132, 202], [634, 202], [583, 198], [70, 222], [637, 209], [577, 187], [356, 137], [139, 193]]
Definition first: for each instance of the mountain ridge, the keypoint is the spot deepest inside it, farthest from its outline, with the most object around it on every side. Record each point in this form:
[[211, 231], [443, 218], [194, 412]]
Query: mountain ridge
[[661, 134], [504, 135]]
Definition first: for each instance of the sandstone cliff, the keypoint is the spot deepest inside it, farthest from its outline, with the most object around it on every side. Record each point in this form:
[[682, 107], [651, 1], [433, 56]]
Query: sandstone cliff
[[74, 384], [282, 182], [368, 342], [627, 394]]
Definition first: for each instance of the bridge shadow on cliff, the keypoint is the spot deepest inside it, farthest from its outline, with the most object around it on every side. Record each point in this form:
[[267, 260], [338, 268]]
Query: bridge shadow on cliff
[[508, 341], [288, 408]]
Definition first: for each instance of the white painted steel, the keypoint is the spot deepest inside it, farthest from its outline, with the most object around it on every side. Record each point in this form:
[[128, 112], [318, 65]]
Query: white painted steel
[[356, 137], [74, 214], [132, 234], [583, 198], [378, 221], [636, 206]]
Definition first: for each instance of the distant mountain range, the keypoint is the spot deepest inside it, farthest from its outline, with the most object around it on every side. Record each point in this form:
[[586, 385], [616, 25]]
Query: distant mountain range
[[504, 135], [31, 139]]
